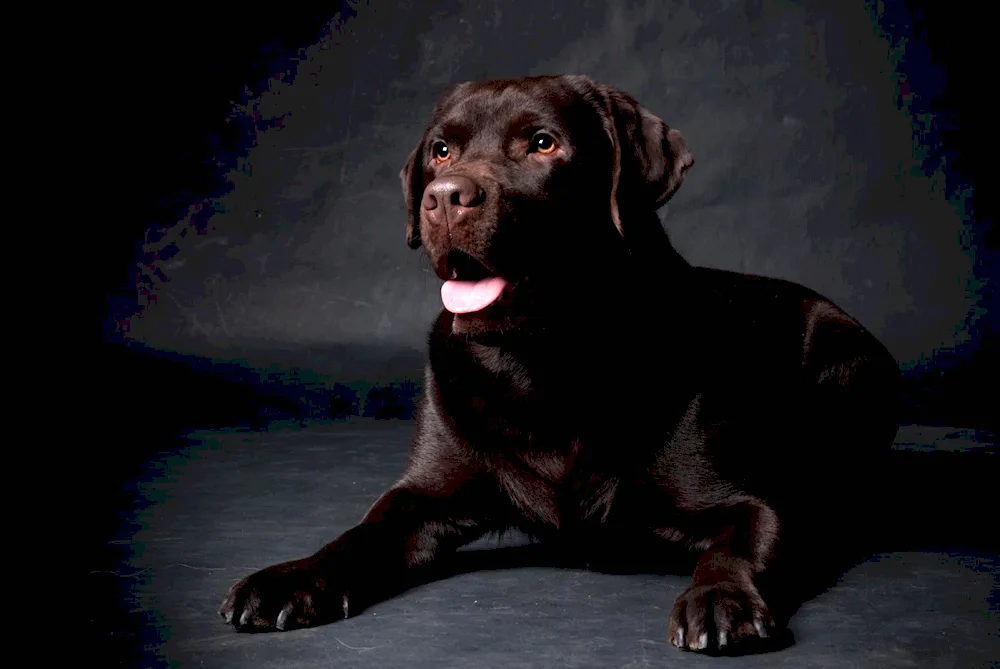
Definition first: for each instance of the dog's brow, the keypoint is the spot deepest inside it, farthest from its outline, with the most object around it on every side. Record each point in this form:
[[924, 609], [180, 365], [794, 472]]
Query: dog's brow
[[523, 120], [529, 118], [453, 129]]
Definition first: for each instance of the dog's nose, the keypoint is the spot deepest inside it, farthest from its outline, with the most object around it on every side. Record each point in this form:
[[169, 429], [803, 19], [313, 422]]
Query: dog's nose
[[452, 196]]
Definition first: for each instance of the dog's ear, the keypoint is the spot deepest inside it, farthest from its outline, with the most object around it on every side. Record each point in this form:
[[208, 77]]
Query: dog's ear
[[650, 158], [412, 179]]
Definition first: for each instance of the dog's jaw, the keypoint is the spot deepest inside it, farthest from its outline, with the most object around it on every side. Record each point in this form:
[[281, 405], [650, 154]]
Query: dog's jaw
[[493, 320]]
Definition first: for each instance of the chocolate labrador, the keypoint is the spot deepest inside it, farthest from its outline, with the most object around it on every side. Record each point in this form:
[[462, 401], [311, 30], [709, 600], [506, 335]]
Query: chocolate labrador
[[586, 384]]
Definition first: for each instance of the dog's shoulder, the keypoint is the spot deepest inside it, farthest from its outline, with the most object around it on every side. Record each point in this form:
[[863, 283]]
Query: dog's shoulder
[[750, 298]]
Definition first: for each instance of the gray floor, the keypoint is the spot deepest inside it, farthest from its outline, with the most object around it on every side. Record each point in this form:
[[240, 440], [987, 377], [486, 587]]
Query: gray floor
[[205, 525]]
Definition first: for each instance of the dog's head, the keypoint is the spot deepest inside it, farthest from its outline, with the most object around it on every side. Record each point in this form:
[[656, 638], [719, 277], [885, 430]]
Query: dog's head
[[523, 191]]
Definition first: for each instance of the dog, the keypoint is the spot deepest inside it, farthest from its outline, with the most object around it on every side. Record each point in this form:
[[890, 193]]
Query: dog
[[587, 385]]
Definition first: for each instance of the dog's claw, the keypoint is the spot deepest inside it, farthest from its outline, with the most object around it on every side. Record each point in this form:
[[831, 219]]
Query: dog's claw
[[282, 620], [736, 609]]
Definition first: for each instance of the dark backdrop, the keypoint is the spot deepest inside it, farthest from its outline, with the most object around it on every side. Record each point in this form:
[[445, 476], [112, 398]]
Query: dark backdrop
[[254, 266], [247, 244]]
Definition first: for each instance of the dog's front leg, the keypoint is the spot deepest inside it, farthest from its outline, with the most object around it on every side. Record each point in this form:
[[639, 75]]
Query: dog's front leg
[[723, 607], [407, 527]]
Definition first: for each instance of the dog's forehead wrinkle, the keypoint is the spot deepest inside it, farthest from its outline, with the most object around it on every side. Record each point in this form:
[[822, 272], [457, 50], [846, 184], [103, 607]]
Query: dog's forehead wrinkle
[[512, 109]]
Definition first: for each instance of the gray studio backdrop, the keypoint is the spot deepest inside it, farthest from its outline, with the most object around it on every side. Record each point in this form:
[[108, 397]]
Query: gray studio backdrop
[[808, 169]]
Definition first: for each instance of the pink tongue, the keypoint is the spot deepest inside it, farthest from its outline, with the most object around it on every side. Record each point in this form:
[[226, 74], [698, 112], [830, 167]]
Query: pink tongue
[[462, 297]]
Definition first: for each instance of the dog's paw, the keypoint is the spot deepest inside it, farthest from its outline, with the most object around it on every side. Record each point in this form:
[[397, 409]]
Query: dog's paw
[[719, 617], [285, 596]]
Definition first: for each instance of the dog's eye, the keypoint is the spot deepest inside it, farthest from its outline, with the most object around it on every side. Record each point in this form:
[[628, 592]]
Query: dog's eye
[[440, 151], [543, 143]]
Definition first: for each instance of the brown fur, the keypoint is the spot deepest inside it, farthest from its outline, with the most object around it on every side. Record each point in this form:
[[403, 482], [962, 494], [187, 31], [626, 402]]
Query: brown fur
[[615, 393]]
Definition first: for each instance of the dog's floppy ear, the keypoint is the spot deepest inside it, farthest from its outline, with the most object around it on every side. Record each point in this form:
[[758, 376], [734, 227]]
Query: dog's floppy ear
[[412, 180], [650, 158]]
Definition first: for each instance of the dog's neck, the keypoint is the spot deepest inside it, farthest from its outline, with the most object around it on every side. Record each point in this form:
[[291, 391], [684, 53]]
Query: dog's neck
[[647, 241], [645, 284]]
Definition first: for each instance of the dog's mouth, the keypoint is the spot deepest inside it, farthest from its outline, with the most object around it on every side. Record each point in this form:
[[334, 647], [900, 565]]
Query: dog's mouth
[[472, 286]]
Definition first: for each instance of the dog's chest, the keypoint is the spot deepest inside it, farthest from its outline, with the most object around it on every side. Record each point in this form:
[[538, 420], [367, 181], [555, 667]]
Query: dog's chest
[[557, 488], [552, 466]]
